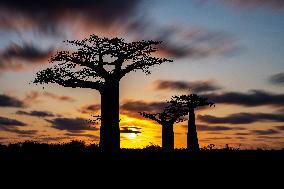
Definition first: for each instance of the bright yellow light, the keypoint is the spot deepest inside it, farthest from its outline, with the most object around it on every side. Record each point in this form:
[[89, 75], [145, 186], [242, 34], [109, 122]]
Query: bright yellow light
[[131, 136]]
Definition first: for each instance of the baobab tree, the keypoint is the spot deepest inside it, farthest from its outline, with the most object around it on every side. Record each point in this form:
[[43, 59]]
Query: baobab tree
[[171, 114], [189, 103], [100, 63]]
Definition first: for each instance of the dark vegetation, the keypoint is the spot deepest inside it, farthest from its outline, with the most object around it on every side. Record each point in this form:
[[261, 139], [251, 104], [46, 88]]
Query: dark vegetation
[[32, 151]]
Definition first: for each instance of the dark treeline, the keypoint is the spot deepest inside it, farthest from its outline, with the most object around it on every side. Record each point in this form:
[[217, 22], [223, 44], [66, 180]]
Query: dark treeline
[[78, 150]]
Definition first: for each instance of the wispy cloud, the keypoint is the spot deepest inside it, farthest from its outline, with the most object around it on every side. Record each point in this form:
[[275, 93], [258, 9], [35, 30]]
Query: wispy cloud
[[241, 118], [264, 132], [90, 108], [216, 128], [36, 113], [48, 15], [192, 86], [95, 137], [35, 96], [277, 79], [58, 97], [18, 57]]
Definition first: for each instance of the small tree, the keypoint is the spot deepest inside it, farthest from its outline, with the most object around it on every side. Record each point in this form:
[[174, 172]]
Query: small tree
[[100, 63], [170, 115], [189, 103]]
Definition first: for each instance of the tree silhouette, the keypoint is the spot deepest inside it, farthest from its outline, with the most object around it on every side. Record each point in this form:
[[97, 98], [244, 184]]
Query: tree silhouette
[[99, 63], [189, 103], [170, 115]]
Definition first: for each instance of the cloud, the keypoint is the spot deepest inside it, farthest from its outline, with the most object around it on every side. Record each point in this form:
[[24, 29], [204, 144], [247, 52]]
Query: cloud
[[82, 135], [216, 128], [280, 127], [242, 134], [132, 107], [241, 118], [74, 125], [11, 125], [192, 86], [36, 113], [9, 101], [48, 15], [10, 122], [114, 18], [17, 57], [58, 97], [34, 96], [90, 108], [252, 98], [274, 4], [185, 42], [18, 131], [277, 79], [265, 132], [130, 129]]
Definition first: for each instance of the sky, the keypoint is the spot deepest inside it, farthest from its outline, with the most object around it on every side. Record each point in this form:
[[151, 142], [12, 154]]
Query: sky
[[230, 51]]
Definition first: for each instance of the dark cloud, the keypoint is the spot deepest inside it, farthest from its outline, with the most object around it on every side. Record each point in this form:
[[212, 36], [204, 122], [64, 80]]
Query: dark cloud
[[132, 107], [49, 14], [242, 133], [217, 138], [17, 57], [10, 122], [130, 129], [192, 86], [252, 98], [265, 132], [90, 108], [277, 79], [74, 125], [113, 18], [11, 125], [36, 113], [216, 128], [82, 135], [261, 137], [9, 101], [280, 127], [241, 118]]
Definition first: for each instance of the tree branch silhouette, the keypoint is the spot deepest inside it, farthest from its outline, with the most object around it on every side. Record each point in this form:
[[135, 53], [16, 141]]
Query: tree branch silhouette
[[189, 103], [86, 66], [171, 114]]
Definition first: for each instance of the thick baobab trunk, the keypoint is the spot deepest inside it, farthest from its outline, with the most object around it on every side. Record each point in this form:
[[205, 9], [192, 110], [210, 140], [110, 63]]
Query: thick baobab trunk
[[109, 131], [192, 139], [167, 137]]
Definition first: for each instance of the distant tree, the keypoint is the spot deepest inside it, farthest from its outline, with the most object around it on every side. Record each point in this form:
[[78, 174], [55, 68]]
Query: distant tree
[[171, 114], [99, 63], [189, 103]]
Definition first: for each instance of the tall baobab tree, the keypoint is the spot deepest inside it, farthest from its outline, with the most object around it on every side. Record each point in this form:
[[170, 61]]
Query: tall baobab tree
[[171, 114], [190, 102], [100, 63]]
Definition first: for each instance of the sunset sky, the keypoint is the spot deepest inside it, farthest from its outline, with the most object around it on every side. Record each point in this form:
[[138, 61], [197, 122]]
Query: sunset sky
[[231, 51]]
